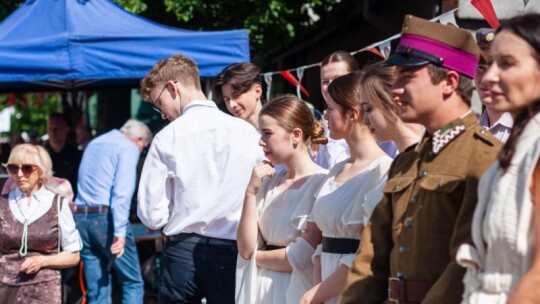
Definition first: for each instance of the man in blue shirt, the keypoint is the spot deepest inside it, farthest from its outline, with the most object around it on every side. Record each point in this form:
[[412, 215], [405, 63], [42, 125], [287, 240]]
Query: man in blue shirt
[[107, 179]]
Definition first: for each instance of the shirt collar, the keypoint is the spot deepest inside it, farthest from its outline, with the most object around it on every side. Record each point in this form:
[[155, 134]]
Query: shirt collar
[[451, 131], [505, 120], [17, 194], [199, 103]]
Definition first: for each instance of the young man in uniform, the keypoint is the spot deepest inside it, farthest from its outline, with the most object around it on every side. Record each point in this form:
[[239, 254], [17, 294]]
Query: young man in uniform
[[407, 252]]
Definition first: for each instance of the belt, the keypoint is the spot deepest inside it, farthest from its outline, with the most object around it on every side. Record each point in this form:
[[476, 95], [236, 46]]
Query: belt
[[200, 239], [407, 291], [100, 209], [272, 247], [339, 246]]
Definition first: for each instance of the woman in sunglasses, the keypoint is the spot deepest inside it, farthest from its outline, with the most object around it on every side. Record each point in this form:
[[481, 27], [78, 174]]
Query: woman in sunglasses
[[37, 231]]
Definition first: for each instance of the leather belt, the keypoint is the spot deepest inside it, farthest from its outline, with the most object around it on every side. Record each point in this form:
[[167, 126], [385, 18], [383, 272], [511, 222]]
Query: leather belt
[[406, 291], [273, 247], [340, 246], [200, 239], [100, 209]]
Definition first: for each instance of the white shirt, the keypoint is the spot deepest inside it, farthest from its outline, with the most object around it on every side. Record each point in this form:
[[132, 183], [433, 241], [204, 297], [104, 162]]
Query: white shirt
[[41, 203], [501, 129], [196, 173]]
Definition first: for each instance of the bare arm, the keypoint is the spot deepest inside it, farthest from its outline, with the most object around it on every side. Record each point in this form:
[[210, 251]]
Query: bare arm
[[327, 289], [246, 234], [527, 290], [63, 259]]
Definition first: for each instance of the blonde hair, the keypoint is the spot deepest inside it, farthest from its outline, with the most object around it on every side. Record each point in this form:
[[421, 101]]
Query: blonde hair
[[177, 68], [33, 155]]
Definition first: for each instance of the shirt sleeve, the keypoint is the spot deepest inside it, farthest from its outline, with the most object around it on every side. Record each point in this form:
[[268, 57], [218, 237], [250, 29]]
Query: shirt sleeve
[[123, 188], [155, 191], [70, 238]]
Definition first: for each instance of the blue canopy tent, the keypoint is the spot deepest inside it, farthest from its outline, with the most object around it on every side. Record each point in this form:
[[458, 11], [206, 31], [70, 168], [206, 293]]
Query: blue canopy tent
[[77, 44]]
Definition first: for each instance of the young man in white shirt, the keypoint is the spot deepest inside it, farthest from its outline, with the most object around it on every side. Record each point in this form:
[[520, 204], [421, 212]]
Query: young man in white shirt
[[192, 184]]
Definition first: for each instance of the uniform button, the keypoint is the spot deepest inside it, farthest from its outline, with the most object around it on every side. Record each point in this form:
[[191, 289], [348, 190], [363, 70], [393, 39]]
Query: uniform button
[[482, 131], [422, 173], [430, 153], [408, 223], [396, 188], [403, 249], [414, 199], [400, 274]]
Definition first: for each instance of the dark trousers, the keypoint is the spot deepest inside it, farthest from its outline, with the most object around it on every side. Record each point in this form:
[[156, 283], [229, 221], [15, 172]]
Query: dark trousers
[[192, 270]]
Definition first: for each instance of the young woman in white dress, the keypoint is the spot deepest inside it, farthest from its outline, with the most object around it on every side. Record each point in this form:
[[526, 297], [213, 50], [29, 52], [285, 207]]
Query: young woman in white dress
[[503, 264], [275, 241], [350, 186], [381, 114]]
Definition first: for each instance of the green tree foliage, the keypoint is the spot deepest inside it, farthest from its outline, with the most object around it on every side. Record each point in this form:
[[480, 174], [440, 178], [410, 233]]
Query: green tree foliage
[[272, 24], [31, 110]]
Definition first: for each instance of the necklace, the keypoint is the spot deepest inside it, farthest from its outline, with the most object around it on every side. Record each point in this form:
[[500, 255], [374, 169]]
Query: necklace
[[24, 240]]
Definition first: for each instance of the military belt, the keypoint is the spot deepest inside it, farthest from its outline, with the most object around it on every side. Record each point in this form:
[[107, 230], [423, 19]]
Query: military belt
[[406, 291]]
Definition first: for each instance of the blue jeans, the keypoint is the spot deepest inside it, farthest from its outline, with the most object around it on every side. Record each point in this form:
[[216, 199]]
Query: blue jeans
[[97, 232], [193, 271]]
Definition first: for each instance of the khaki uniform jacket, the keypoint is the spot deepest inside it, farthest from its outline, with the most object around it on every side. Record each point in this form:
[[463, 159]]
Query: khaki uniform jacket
[[424, 216]]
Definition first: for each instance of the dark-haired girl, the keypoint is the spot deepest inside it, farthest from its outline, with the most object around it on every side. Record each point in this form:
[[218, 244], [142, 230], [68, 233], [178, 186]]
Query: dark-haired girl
[[503, 265]]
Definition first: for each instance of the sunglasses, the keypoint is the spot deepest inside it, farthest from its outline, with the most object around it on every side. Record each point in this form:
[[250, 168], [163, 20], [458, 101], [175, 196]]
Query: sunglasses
[[26, 169]]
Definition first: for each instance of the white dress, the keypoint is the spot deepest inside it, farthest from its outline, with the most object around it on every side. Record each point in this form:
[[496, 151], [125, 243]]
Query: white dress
[[341, 210], [282, 217], [502, 227]]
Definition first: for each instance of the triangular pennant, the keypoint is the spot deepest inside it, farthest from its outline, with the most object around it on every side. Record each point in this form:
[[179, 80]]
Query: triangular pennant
[[268, 80], [376, 52], [385, 48], [448, 18], [486, 9], [290, 77]]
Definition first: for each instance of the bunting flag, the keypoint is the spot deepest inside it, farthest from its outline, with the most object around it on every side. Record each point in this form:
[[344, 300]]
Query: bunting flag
[[300, 74], [448, 18], [268, 80], [290, 77], [376, 52], [486, 9], [383, 48]]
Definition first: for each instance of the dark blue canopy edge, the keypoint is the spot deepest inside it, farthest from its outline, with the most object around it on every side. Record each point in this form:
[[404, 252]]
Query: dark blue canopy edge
[[74, 44]]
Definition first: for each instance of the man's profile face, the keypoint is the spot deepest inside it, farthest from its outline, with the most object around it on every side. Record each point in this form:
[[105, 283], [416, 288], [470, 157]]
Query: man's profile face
[[414, 93], [57, 129]]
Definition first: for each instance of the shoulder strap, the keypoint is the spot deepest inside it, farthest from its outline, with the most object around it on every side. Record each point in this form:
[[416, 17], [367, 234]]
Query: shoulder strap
[[58, 200]]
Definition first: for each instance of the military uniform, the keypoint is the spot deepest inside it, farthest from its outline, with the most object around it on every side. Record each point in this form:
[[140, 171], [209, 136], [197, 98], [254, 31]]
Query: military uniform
[[426, 213]]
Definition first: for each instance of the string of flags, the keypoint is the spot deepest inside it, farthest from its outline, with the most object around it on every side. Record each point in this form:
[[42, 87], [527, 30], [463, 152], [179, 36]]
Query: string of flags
[[380, 48]]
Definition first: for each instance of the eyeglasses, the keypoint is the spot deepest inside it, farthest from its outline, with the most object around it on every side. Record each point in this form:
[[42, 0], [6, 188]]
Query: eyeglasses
[[26, 169], [155, 105]]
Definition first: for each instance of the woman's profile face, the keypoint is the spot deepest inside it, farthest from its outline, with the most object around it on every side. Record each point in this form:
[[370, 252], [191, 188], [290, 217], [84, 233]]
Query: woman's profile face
[[277, 143], [243, 105], [514, 75], [375, 120]]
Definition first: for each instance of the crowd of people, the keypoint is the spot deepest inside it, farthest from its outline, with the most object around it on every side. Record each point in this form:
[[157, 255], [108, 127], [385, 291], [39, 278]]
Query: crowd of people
[[409, 198]]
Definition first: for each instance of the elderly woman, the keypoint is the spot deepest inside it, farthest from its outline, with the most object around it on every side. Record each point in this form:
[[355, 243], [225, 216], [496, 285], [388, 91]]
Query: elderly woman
[[37, 231]]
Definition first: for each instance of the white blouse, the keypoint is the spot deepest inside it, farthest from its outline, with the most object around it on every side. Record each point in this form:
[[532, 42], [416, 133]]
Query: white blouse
[[41, 203]]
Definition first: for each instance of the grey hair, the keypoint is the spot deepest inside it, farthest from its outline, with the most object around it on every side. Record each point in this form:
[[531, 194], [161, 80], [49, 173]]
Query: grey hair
[[135, 129]]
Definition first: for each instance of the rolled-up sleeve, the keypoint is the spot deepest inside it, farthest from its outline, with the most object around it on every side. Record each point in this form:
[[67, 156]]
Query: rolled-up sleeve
[[70, 238]]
